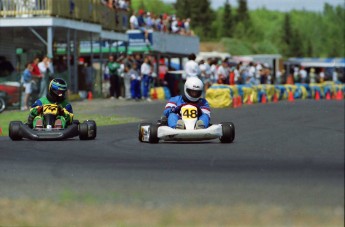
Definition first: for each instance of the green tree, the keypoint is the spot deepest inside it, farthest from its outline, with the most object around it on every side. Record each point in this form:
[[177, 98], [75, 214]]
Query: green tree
[[142, 5], [183, 8], [287, 30], [296, 47], [201, 18], [228, 21], [242, 12]]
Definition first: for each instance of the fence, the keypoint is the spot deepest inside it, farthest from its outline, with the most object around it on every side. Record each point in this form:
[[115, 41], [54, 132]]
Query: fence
[[92, 11]]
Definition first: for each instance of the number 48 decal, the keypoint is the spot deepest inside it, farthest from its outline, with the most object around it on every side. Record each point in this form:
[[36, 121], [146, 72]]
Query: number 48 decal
[[190, 113]]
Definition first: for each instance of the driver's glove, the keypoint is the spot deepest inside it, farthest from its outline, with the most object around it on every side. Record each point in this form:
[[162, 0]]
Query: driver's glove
[[35, 111]]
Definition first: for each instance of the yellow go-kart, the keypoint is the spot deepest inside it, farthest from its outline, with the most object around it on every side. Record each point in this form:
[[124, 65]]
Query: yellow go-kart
[[86, 130]]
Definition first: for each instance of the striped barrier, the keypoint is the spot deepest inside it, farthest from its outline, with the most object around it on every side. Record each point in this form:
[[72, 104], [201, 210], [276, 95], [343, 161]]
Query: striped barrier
[[221, 95]]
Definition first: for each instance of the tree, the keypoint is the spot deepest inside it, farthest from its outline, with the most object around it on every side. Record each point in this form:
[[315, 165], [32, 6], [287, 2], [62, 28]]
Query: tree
[[201, 16], [242, 12], [296, 47], [142, 5], [183, 8], [228, 21], [287, 30]]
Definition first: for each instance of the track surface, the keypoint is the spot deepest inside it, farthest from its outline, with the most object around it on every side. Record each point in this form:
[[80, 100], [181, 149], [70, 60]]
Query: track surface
[[289, 154]]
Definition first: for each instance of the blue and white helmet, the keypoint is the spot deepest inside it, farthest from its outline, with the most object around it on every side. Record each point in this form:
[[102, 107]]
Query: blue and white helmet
[[193, 88]]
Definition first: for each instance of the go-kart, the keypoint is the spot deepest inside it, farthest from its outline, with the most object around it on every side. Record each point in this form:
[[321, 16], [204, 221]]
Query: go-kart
[[86, 130], [152, 133]]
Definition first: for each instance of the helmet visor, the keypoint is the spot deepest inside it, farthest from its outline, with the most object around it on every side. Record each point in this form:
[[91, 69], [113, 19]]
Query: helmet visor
[[194, 93], [58, 89]]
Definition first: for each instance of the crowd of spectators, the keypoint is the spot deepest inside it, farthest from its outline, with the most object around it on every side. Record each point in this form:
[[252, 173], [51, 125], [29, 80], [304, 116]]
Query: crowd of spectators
[[35, 78], [129, 77], [117, 4], [146, 21]]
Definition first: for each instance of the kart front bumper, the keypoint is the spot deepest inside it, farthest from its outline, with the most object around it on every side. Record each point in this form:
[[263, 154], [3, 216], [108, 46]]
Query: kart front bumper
[[52, 134]]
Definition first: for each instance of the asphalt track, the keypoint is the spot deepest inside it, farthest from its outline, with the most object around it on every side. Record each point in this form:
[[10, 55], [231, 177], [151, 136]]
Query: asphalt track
[[284, 153]]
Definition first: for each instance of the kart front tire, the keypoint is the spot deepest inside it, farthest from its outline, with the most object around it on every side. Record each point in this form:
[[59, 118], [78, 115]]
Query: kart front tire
[[228, 129], [153, 131], [140, 132], [14, 130]]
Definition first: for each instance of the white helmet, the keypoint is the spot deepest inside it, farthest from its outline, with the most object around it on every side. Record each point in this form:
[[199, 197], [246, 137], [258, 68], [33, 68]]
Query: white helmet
[[193, 89]]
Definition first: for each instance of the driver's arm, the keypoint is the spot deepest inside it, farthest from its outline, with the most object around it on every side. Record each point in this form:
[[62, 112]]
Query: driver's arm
[[67, 113]]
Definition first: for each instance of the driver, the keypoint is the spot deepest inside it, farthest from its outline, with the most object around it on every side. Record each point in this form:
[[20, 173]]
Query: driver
[[56, 95], [193, 89]]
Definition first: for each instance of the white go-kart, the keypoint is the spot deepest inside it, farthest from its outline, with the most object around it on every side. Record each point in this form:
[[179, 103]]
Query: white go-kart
[[152, 133]]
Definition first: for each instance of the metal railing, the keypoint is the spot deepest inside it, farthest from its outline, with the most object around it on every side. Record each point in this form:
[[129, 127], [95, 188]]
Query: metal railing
[[92, 11]]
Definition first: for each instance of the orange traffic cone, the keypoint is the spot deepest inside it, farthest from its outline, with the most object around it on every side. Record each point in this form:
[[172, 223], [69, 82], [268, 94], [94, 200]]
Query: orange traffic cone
[[334, 95], [317, 95], [290, 98], [154, 94], [328, 96], [275, 97], [339, 95], [234, 102], [239, 101], [89, 95], [263, 99]]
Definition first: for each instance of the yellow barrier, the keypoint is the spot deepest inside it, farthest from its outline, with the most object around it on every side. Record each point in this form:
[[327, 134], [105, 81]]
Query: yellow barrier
[[219, 98]]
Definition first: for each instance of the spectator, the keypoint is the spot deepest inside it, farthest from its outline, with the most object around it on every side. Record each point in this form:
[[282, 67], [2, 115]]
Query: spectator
[[27, 82], [163, 69], [124, 5], [127, 80], [322, 75], [149, 21], [146, 77], [135, 82], [303, 75], [296, 75], [187, 27], [47, 70], [191, 67], [142, 25], [223, 73], [312, 76], [133, 20], [35, 69], [113, 68], [122, 73], [174, 25], [251, 74], [335, 75], [166, 23]]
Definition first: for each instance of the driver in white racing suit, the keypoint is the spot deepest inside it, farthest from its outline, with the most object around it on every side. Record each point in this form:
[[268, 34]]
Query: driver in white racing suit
[[193, 89]]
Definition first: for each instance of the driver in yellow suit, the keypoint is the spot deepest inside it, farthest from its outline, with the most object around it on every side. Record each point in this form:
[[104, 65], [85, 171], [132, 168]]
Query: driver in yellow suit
[[56, 95]]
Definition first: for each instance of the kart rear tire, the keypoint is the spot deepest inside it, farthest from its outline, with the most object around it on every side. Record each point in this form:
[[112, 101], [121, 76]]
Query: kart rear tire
[[228, 129], [140, 132], [14, 130], [83, 131], [87, 130], [92, 129], [2, 104], [153, 130]]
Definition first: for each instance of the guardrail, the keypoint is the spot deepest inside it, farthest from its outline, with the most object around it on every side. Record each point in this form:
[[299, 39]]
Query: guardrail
[[92, 11]]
